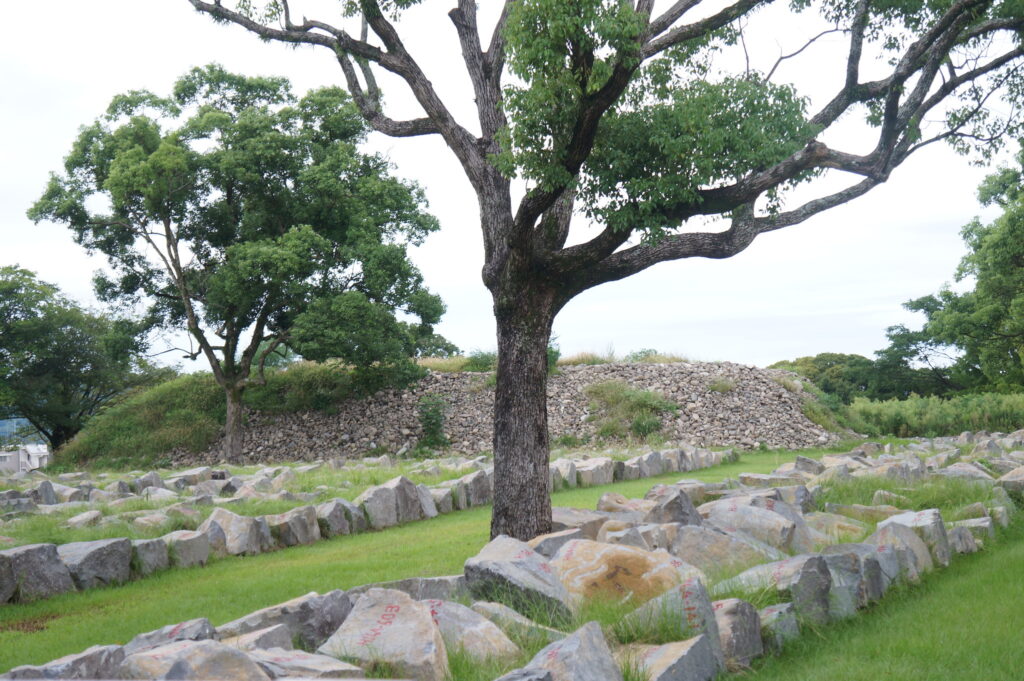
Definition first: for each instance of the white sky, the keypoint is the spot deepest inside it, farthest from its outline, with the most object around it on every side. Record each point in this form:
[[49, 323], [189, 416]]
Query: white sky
[[832, 284]]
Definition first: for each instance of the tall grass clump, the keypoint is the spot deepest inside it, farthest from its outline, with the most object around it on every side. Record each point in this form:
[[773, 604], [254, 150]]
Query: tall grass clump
[[936, 416], [652, 356], [620, 411], [586, 358], [946, 494]]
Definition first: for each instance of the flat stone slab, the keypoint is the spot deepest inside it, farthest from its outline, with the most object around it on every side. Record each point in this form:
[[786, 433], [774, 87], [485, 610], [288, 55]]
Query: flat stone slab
[[714, 551], [389, 626], [514, 624], [779, 625], [277, 636], [739, 631], [295, 527], [911, 552], [149, 556], [803, 580]]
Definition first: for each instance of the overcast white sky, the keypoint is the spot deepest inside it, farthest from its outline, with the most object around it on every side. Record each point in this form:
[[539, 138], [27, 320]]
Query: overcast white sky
[[832, 284]]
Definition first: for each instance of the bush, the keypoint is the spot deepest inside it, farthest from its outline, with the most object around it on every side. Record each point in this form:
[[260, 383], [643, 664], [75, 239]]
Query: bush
[[621, 411], [936, 416], [431, 410], [480, 360]]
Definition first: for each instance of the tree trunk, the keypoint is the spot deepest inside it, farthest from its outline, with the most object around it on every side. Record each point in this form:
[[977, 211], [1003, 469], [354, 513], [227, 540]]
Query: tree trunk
[[522, 501], [233, 424]]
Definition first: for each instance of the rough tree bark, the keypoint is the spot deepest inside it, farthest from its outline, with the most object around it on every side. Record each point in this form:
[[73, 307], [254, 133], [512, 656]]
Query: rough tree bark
[[522, 504], [233, 423]]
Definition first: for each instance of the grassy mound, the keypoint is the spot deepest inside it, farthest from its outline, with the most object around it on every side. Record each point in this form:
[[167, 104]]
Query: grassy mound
[[188, 412]]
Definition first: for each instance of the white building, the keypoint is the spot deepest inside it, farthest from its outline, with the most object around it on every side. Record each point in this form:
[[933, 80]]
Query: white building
[[24, 458]]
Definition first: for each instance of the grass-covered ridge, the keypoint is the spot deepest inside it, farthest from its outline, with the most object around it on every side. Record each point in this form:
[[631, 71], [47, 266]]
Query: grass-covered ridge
[[188, 413]]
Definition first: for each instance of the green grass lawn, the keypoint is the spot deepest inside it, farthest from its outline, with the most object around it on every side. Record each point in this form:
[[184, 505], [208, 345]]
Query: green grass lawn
[[964, 623], [231, 587]]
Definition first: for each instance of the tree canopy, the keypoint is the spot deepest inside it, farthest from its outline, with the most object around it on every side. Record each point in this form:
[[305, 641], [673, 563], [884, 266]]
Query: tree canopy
[[59, 364], [249, 218], [979, 332], [648, 119]]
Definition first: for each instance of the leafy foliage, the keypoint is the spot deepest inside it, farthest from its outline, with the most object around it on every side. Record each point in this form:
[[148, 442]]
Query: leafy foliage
[[431, 409], [621, 411], [60, 364], [934, 416], [250, 219], [980, 331], [847, 377]]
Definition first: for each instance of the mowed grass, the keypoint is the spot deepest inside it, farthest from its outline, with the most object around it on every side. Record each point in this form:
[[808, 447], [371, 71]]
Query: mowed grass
[[962, 623], [231, 587]]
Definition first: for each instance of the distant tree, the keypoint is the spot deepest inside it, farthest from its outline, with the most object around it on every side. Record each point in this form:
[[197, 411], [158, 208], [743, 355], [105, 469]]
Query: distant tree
[[60, 364], [979, 333], [643, 120], [889, 376], [251, 220]]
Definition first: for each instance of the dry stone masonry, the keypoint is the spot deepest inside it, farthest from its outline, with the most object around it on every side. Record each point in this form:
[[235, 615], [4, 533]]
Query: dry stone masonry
[[655, 557], [758, 409]]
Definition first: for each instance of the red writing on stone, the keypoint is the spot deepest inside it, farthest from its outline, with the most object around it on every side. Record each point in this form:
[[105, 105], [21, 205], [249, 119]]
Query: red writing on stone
[[384, 621]]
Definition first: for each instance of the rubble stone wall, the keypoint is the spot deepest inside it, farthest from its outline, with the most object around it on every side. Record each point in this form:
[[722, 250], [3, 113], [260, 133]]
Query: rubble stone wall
[[759, 409]]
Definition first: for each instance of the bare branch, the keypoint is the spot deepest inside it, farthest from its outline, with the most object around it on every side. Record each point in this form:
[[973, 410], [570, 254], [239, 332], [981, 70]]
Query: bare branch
[[791, 55], [670, 16], [697, 29]]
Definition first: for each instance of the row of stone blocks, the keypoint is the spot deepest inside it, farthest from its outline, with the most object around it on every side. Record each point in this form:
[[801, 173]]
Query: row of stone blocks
[[42, 570]]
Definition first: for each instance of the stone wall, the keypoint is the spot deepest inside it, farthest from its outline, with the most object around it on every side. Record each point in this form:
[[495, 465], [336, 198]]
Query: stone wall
[[757, 410]]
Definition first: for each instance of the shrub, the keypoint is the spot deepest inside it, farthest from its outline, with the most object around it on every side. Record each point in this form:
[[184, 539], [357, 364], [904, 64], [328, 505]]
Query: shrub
[[621, 411], [479, 360], [936, 416], [722, 384], [431, 410]]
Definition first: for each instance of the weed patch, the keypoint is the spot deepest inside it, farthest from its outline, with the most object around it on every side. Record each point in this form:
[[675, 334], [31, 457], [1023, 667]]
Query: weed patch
[[620, 411]]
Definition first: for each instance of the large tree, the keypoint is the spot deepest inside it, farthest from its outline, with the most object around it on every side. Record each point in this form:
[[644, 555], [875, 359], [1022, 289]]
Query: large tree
[[59, 363], [644, 118], [979, 333], [251, 220]]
